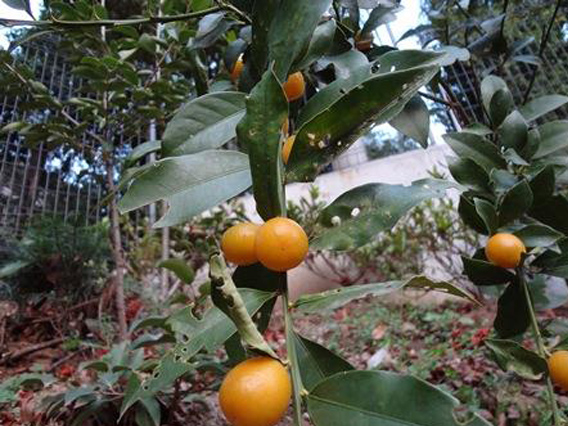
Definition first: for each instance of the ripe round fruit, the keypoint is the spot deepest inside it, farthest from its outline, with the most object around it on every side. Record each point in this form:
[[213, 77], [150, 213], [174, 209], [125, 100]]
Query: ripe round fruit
[[238, 243], [287, 148], [505, 250], [256, 393], [281, 244], [295, 86], [558, 368], [237, 70]]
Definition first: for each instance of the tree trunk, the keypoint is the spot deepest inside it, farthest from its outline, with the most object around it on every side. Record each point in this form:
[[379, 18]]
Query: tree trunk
[[117, 255]]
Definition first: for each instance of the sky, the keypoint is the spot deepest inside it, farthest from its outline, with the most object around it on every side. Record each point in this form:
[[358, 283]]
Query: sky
[[8, 12]]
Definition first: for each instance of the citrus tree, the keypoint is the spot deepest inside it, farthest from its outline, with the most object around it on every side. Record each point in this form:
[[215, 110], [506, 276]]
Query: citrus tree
[[514, 172], [305, 89]]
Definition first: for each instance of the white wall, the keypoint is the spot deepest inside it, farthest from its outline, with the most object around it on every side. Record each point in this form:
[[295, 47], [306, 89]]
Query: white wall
[[398, 169]]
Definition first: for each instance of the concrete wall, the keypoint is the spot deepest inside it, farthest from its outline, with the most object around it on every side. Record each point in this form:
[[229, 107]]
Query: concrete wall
[[398, 169]]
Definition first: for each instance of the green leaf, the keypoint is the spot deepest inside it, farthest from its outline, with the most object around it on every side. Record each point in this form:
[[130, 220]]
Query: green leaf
[[180, 267], [358, 215], [469, 174], [483, 273], [511, 356], [262, 16], [513, 316], [478, 129], [553, 137], [260, 131], [548, 292], [345, 64], [414, 121], [214, 329], [470, 217], [291, 31], [140, 151], [380, 15], [476, 148], [374, 101], [317, 362], [399, 60], [487, 213], [186, 205], [541, 106], [152, 407], [543, 185], [147, 42], [496, 98], [319, 44], [227, 298], [176, 175], [515, 202], [327, 96], [502, 180], [19, 4], [13, 268], [552, 212], [514, 131], [538, 235], [380, 398], [210, 28], [206, 122], [74, 394], [336, 298]]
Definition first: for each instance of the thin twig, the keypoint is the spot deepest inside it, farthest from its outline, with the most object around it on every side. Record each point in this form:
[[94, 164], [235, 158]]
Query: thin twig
[[292, 359], [54, 22], [540, 344], [543, 43], [31, 349]]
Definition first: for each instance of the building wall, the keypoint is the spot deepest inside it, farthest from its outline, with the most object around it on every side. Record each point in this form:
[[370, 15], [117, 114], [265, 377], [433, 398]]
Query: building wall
[[398, 169]]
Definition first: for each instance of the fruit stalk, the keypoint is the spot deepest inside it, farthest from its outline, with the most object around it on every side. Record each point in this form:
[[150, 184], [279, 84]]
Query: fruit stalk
[[292, 358], [540, 345]]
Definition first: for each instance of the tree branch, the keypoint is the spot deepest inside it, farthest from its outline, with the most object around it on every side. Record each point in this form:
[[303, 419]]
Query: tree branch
[[54, 22]]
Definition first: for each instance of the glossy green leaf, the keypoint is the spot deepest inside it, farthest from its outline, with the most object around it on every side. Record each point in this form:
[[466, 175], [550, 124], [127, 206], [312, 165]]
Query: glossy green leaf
[[332, 299], [469, 174], [74, 394], [414, 121], [478, 129], [497, 98], [502, 180], [262, 17], [483, 273], [380, 15], [180, 267], [514, 131], [358, 215], [541, 106], [327, 96], [553, 137], [260, 131], [18, 4], [186, 205], [291, 31], [319, 44], [515, 202], [176, 175], [210, 28], [152, 408], [538, 235], [470, 217], [513, 316], [548, 292], [399, 60], [487, 213], [476, 148], [345, 64], [206, 122], [331, 132], [380, 398], [543, 185], [140, 151], [317, 362], [511, 356], [552, 212]]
